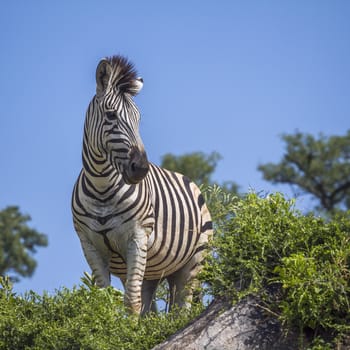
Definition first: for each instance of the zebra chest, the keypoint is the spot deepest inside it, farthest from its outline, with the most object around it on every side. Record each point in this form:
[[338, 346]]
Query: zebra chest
[[109, 231]]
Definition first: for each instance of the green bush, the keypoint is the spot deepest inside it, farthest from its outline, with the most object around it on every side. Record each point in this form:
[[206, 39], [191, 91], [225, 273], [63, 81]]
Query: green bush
[[83, 318], [298, 265], [265, 244]]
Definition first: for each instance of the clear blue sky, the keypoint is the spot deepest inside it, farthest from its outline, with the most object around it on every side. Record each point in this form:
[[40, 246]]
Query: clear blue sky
[[229, 76]]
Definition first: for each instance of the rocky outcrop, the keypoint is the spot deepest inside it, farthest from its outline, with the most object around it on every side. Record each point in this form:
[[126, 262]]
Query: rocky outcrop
[[245, 326]]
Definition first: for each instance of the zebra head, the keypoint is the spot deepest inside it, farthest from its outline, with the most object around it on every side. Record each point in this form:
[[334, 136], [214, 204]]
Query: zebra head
[[117, 83]]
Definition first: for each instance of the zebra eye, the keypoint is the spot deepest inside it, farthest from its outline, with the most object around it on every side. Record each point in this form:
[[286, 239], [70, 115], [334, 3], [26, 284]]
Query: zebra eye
[[112, 115]]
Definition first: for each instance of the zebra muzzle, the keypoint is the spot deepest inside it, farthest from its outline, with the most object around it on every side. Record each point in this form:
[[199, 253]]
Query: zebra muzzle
[[138, 166]]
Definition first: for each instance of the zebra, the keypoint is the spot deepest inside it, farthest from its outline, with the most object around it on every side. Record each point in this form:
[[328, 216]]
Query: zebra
[[135, 220]]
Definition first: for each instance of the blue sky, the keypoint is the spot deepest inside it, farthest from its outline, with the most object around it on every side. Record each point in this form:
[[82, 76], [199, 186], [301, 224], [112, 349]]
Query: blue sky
[[229, 76]]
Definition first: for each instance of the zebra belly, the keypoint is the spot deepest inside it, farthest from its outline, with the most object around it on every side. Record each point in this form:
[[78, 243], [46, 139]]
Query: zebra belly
[[117, 268], [161, 262]]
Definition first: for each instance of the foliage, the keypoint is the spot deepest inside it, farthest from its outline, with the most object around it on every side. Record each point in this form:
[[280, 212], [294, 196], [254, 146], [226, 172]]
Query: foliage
[[265, 244], [298, 265], [198, 166], [18, 243], [82, 318], [318, 166]]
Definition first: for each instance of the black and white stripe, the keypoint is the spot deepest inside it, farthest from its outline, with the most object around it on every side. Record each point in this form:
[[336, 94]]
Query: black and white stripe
[[135, 220]]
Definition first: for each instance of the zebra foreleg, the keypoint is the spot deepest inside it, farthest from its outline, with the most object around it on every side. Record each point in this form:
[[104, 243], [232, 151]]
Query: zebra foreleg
[[97, 263], [136, 264]]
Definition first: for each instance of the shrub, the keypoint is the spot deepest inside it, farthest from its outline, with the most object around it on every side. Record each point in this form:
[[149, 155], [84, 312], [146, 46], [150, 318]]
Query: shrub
[[82, 318], [261, 245], [264, 244]]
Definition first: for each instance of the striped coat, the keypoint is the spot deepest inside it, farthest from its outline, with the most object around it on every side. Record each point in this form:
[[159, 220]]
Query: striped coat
[[135, 220]]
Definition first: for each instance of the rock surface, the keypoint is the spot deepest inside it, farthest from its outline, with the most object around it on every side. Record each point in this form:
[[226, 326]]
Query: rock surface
[[245, 326]]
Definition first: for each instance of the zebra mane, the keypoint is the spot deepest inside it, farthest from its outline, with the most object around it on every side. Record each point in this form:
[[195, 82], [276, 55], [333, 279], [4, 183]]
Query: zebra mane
[[124, 74]]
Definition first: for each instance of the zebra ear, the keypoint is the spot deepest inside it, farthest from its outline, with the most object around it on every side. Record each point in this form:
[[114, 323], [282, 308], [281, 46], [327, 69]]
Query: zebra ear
[[135, 86], [103, 73]]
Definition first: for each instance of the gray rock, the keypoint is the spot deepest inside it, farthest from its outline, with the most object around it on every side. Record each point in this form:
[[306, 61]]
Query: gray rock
[[245, 326]]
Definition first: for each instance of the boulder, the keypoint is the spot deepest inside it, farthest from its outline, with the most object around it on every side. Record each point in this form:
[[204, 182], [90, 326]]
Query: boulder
[[244, 326]]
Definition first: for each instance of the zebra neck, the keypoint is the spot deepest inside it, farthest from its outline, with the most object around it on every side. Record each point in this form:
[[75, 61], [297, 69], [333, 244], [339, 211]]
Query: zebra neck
[[103, 183], [97, 168], [113, 195], [100, 175]]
